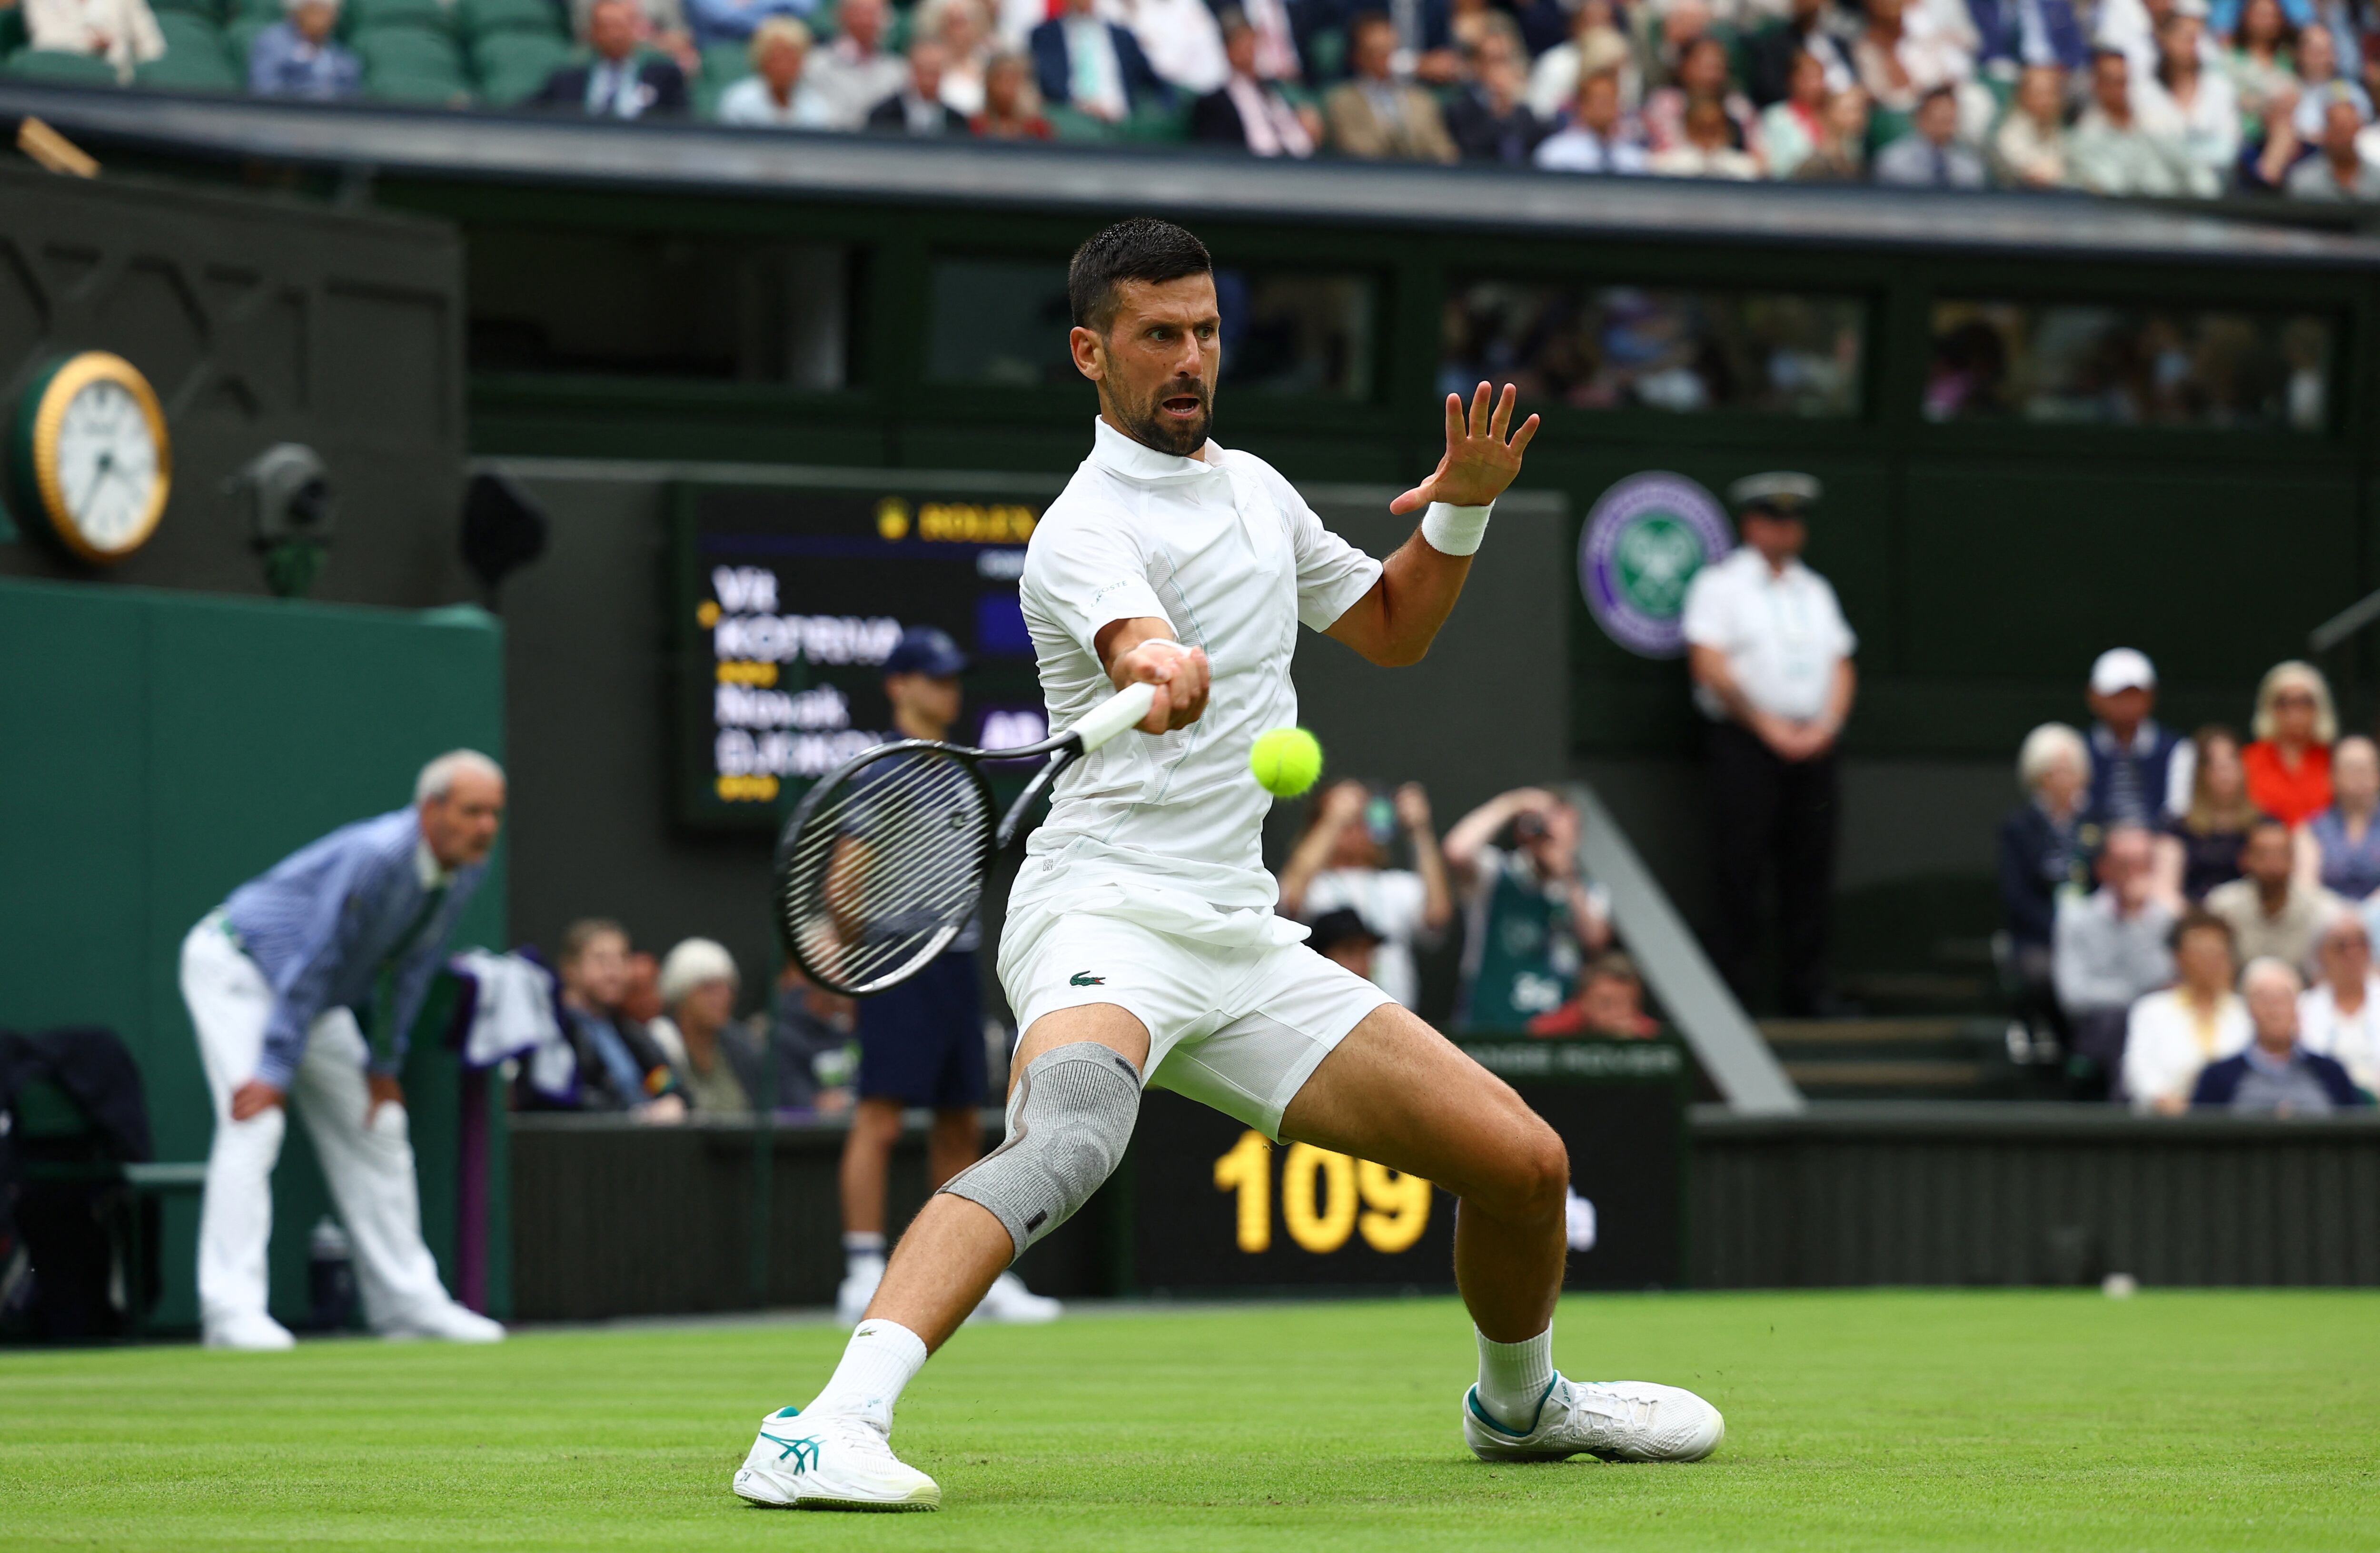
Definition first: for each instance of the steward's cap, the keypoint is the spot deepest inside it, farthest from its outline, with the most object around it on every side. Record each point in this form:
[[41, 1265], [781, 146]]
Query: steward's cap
[[1781, 491], [924, 649]]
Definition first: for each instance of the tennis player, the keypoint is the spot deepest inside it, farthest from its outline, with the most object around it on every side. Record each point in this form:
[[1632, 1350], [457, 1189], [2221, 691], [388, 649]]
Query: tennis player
[[1141, 945]]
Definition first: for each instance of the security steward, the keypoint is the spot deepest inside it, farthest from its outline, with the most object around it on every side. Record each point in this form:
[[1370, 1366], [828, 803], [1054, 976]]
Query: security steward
[[1771, 658]]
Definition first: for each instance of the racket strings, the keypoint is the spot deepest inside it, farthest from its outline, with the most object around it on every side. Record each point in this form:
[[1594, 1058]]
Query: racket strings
[[887, 867]]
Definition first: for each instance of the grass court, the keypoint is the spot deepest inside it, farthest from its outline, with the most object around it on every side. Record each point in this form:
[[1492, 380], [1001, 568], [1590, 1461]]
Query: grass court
[[2229, 1420]]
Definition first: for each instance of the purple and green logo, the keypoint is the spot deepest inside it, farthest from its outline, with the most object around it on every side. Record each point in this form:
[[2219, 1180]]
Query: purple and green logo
[[1644, 539]]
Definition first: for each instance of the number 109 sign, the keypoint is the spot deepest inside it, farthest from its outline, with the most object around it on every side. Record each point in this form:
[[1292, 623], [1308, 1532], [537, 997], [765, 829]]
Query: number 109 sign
[[1216, 1205]]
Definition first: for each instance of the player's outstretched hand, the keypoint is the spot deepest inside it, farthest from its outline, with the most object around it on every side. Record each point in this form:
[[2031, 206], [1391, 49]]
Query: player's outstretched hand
[[1179, 675], [1479, 462]]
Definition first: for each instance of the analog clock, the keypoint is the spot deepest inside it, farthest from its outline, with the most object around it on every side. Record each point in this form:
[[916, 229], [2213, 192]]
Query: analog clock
[[90, 455]]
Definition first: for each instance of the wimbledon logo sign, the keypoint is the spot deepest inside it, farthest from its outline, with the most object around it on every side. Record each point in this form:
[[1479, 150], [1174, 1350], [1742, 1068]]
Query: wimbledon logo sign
[[1644, 541]]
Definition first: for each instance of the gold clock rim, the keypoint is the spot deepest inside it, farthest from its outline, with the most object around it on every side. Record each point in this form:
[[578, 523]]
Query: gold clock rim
[[79, 372]]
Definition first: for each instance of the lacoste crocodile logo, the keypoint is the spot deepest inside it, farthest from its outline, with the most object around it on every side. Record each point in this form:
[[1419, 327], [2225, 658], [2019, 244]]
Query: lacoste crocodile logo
[[805, 1452], [1085, 979]]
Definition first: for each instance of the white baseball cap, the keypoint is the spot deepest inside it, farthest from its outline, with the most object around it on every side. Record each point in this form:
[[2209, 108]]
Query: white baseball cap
[[2122, 668]]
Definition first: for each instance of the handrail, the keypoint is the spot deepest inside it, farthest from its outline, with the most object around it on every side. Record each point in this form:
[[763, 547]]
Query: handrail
[[1749, 1077], [2345, 623]]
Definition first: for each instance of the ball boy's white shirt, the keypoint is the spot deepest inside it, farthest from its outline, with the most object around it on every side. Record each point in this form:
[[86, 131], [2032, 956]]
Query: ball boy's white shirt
[[1166, 831], [1782, 634]]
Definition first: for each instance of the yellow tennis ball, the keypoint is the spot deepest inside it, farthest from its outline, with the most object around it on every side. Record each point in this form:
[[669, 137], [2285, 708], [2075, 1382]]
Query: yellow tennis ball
[[1286, 761]]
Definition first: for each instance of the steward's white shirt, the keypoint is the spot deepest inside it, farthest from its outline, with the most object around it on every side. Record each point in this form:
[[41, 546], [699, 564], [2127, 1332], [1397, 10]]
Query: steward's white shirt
[[2352, 1040], [1165, 831], [1781, 634]]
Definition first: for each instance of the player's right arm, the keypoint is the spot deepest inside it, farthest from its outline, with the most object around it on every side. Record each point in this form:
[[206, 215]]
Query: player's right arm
[[1142, 651]]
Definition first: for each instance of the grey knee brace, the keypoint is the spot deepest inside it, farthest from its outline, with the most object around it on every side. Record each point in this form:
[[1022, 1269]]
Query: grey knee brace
[[1068, 1121]]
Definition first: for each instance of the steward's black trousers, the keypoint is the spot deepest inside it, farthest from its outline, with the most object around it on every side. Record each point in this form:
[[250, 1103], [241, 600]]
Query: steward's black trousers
[[1768, 813]]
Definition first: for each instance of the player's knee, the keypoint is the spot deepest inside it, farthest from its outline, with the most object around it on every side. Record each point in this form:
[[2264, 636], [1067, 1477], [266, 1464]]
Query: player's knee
[[1070, 1116], [1533, 1177]]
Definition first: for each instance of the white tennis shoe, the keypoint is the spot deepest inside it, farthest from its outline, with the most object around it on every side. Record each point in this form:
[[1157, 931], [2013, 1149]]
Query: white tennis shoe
[[830, 1461], [851, 1296], [443, 1323], [1617, 1420], [254, 1333], [1008, 1300]]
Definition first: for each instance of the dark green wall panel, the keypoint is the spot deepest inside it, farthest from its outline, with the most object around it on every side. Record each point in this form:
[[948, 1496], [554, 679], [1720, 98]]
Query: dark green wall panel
[[73, 902], [2014, 572]]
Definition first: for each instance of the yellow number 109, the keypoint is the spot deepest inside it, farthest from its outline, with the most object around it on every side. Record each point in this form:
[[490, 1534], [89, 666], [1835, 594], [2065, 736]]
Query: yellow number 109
[[1319, 1194]]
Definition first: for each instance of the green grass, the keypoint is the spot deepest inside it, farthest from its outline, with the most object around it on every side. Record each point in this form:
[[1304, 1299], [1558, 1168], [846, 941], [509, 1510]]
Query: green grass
[[1890, 1420]]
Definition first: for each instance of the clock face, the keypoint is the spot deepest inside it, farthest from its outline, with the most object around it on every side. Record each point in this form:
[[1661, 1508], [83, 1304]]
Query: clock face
[[92, 452], [107, 465]]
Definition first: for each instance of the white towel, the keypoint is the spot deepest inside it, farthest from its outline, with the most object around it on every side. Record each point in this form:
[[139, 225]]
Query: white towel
[[514, 1017]]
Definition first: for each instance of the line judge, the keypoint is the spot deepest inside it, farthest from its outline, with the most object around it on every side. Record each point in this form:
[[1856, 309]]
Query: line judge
[[1771, 658], [302, 987]]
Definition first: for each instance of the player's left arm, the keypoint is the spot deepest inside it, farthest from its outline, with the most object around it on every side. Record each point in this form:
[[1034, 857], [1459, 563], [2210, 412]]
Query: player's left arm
[[1395, 624]]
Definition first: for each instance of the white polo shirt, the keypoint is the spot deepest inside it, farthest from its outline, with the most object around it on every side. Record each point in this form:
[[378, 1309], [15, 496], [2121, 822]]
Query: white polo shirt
[[1782, 634], [1167, 831]]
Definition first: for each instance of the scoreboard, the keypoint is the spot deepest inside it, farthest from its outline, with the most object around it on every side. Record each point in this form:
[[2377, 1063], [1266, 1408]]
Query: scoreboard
[[786, 600], [1214, 1206]]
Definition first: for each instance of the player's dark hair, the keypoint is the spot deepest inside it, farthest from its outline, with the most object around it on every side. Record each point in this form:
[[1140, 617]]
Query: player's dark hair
[[1143, 249]]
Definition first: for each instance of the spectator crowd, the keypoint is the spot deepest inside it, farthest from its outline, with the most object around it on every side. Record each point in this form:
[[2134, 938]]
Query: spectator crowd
[[1537, 953], [658, 1040], [2114, 97], [2191, 919]]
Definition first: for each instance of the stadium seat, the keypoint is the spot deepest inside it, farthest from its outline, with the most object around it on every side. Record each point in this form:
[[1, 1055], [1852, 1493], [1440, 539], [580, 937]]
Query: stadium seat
[[360, 17], [486, 19], [1161, 125], [54, 65], [197, 57], [239, 37], [731, 61], [12, 30], [1073, 124], [511, 66], [1326, 54], [411, 65], [211, 10], [1886, 125], [723, 66]]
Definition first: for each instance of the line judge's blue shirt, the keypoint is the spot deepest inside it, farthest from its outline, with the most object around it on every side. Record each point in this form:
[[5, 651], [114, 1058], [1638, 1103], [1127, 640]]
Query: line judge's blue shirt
[[323, 922]]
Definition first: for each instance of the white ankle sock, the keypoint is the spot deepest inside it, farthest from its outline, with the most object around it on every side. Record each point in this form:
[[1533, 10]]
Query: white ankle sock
[[863, 1253], [881, 1358], [1514, 1379]]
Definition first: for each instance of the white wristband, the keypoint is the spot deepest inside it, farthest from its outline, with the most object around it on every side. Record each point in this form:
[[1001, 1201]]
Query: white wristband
[[1455, 530]]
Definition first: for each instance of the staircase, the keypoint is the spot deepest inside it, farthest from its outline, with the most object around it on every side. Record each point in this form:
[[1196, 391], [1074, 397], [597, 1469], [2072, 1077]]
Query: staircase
[[1908, 1058]]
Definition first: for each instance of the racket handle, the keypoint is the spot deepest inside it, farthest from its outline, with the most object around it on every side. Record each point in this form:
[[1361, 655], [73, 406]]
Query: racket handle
[[1115, 714]]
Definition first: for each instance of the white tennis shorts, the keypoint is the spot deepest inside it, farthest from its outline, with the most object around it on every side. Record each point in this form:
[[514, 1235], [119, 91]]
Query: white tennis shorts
[[1239, 1029]]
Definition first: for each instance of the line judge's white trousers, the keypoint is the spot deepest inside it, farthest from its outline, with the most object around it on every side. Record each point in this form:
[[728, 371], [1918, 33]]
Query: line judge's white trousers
[[369, 1169]]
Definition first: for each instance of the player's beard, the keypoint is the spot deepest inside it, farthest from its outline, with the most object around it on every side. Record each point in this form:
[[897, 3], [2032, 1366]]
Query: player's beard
[[1149, 425]]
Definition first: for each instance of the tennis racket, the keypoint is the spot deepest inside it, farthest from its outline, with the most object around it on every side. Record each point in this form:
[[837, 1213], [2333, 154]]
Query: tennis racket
[[886, 856]]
